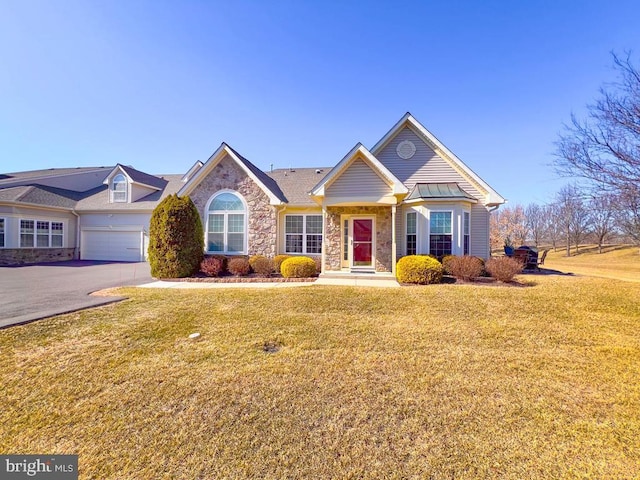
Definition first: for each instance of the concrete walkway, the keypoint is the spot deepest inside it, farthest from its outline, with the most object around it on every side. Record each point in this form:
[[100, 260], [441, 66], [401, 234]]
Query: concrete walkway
[[351, 281], [192, 285]]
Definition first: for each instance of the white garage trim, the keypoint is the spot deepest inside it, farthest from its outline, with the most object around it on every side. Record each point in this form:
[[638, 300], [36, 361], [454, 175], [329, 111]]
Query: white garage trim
[[124, 243]]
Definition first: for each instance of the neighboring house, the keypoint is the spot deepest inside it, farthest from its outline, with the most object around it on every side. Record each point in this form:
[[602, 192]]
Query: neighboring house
[[408, 194]]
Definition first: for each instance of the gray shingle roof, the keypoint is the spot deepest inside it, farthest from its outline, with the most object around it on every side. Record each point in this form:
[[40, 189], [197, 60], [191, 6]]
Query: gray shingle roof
[[49, 172], [297, 183], [11, 194], [143, 178], [40, 195], [99, 198], [268, 182], [50, 196]]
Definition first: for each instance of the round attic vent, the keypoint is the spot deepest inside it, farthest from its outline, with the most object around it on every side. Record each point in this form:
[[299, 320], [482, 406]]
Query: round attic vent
[[406, 149]]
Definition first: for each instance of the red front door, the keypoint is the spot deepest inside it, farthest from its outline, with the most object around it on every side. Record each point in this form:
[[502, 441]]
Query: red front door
[[362, 242]]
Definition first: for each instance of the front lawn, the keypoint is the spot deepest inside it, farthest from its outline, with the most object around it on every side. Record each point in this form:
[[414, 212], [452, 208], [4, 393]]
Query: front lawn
[[615, 261], [443, 381]]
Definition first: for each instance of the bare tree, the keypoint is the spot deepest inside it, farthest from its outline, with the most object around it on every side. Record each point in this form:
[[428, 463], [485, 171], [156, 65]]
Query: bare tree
[[508, 225], [573, 216], [552, 225], [600, 218], [534, 216], [605, 148], [628, 213]]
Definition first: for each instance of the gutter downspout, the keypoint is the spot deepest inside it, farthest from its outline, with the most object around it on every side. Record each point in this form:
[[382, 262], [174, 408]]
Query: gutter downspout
[[77, 253]]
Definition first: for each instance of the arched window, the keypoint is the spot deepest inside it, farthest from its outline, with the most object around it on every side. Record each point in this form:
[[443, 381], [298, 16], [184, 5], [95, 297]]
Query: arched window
[[226, 224], [119, 188]]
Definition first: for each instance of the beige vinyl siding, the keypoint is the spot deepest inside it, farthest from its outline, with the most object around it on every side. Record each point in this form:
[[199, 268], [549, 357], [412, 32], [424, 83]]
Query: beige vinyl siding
[[426, 166], [358, 180], [281, 223], [140, 191], [479, 231]]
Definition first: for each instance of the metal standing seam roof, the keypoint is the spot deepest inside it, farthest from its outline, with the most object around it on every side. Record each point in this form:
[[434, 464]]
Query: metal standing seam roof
[[431, 191]]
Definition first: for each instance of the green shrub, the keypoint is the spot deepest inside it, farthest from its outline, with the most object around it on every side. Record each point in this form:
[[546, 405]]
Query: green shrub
[[277, 262], [238, 266], [464, 268], [298, 267], [503, 269], [176, 238], [446, 260], [263, 266], [212, 266], [419, 269]]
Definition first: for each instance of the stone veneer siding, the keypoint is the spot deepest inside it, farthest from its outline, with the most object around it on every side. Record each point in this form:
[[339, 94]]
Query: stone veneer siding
[[21, 256], [333, 236], [262, 217]]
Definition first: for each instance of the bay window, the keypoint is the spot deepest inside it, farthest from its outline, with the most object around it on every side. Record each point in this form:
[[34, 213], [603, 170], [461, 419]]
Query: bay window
[[467, 230], [412, 233], [440, 234]]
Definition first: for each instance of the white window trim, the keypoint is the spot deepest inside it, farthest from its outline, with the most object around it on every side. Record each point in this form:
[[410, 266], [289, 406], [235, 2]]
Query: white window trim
[[304, 233], [451, 213], [112, 189], [4, 232], [35, 232], [245, 212], [406, 233]]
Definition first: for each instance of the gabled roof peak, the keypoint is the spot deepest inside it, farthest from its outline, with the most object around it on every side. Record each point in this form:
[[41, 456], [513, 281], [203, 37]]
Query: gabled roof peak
[[268, 184], [492, 197]]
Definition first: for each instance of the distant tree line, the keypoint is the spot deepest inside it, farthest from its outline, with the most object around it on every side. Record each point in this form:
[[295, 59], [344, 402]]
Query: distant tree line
[[574, 217], [602, 152]]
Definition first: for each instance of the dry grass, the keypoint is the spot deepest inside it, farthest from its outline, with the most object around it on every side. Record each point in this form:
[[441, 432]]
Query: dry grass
[[616, 261], [435, 382]]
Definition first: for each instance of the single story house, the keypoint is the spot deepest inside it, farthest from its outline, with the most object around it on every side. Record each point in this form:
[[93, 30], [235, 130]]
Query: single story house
[[408, 194]]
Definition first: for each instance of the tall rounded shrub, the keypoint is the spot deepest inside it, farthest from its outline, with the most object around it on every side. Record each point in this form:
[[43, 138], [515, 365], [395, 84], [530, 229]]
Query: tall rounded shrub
[[419, 269], [176, 238]]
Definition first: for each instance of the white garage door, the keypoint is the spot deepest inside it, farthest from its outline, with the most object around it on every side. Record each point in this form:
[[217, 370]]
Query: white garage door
[[110, 245]]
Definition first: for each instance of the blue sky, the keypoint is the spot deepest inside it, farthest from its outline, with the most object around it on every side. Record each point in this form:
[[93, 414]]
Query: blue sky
[[158, 85]]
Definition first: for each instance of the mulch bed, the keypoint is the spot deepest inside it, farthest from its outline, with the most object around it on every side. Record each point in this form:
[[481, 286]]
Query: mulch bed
[[252, 278]]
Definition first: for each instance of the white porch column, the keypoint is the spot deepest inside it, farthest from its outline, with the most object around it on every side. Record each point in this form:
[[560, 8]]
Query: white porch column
[[323, 254], [393, 240]]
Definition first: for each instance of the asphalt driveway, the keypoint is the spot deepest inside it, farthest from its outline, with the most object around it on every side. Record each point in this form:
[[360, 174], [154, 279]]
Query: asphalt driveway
[[38, 291]]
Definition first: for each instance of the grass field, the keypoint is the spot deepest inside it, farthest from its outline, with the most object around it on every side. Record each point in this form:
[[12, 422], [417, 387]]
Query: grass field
[[616, 261], [444, 381]]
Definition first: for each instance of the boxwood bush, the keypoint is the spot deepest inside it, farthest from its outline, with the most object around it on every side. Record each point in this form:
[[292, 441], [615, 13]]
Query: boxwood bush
[[239, 266], [419, 269], [277, 262], [298, 267], [262, 266], [254, 258]]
